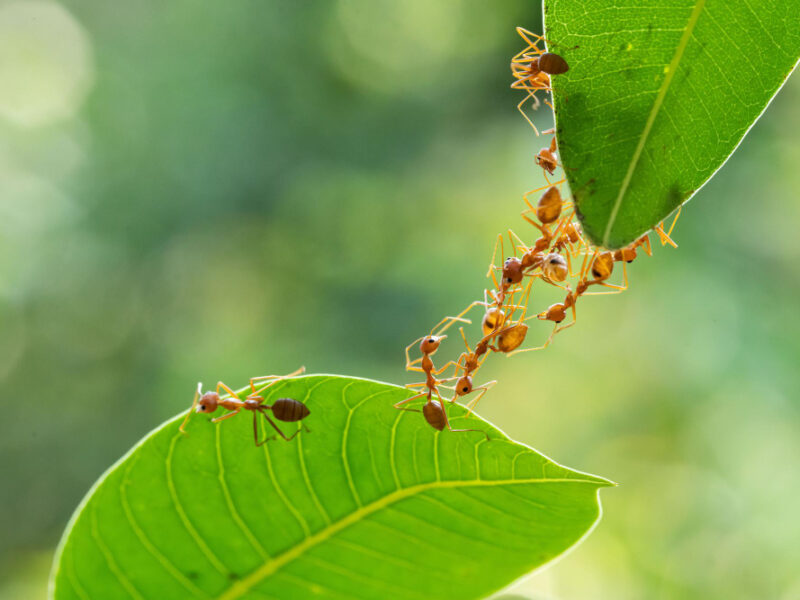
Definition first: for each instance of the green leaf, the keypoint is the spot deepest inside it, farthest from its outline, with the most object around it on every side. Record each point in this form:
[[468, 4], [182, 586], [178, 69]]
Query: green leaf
[[657, 97], [373, 503]]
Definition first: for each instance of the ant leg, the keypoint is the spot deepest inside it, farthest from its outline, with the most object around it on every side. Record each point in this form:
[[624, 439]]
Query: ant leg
[[464, 337], [450, 427], [450, 321], [484, 388], [492, 267], [414, 385], [255, 430], [445, 367], [569, 263], [545, 232], [182, 428], [647, 247], [233, 413], [276, 428], [276, 378], [663, 236], [618, 289], [584, 266], [528, 291], [522, 112], [582, 245], [409, 362], [527, 35], [542, 347], [522, 246], [407, 400], [465, 311], [574, 320], [675, 220], [227, 389]]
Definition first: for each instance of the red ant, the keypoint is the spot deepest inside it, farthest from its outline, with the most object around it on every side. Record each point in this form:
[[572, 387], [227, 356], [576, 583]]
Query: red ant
[[433, 410], [547, 159], [602, 265], [283, 409], [532, 68]]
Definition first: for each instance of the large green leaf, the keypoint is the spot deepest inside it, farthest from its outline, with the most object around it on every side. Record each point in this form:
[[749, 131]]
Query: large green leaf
[[373, 503], [657, 97]]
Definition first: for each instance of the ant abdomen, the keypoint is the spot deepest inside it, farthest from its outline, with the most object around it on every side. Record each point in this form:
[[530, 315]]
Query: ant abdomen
[[554, 267], [512, 338], [289, 409], [493, 320], [552, 64], [549, 207], [433, 411], [603, 265]]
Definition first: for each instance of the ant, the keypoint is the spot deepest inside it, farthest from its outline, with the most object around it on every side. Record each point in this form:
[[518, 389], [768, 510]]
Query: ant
[[554, 268], [602, 265], [433, 410], [532, 68], [547, 159], [548, 210], [628, 253], [507, 339], [283, 409]]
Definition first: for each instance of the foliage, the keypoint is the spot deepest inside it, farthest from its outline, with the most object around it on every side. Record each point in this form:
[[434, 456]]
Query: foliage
[[373, 503], [658, 97]]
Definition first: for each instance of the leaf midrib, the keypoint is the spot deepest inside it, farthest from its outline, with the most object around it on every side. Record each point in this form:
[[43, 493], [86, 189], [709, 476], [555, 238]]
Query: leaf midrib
[[241, 587], [662, 92]]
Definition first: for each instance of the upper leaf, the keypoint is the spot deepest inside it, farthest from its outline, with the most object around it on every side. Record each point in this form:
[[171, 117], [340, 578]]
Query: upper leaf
[[657, 97], [372, 503]]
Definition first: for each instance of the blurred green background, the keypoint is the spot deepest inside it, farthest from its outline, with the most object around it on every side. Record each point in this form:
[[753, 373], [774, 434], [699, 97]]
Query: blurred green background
[[201, 191]]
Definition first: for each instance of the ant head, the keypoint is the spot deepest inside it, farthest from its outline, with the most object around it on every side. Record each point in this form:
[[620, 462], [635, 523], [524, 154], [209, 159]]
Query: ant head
[[555, 267], [532, 67], [464, 385], [430, 344], [512, 270], [555, 313], [208, 402]]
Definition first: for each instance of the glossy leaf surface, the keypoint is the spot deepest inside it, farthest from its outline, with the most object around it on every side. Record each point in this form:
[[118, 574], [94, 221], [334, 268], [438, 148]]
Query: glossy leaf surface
[[372, 503], [657, 97]]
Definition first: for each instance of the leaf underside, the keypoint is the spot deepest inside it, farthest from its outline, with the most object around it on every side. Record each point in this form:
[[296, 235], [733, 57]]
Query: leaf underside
[[373, 503], [657, 97]]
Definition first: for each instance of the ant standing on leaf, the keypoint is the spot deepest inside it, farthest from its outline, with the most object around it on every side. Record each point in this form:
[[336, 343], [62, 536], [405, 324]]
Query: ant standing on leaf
[[433, 410], [287, 410]]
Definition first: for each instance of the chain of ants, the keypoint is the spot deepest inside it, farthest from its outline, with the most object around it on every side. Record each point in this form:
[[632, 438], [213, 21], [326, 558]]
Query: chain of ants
[[550, 258]]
